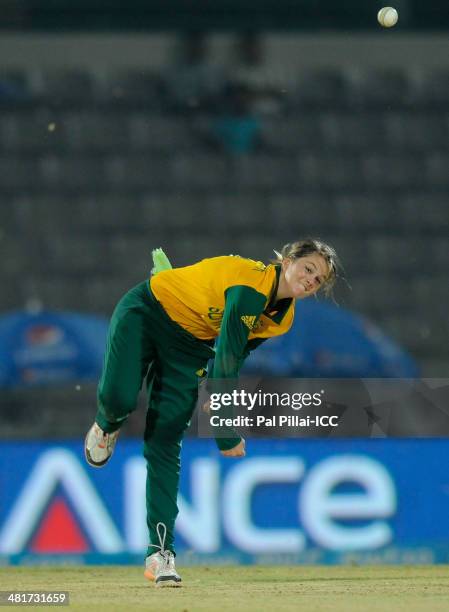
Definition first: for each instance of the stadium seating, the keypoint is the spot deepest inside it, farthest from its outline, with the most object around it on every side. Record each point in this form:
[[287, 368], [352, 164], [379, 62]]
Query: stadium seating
[[94, 173]]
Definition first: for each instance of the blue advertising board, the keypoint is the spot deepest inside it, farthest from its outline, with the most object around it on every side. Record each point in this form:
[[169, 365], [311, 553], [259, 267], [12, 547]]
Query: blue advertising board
[[287, 501], [45, 347]]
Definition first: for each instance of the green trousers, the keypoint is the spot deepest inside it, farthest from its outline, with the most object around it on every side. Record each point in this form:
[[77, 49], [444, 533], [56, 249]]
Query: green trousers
[[144, 344]]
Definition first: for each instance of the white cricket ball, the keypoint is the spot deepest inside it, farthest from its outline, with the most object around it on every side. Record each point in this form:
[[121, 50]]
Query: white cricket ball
[[387, 17]]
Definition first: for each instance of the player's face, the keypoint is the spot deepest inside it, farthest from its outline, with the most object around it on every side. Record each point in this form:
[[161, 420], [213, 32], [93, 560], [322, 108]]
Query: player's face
[[304, 276]]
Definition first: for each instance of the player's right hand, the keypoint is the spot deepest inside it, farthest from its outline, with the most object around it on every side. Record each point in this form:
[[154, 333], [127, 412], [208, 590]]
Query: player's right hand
[[237, 451]]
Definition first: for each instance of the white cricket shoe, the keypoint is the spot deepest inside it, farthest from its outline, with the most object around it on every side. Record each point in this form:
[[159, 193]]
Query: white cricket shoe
[[160, 566], [99, 446]]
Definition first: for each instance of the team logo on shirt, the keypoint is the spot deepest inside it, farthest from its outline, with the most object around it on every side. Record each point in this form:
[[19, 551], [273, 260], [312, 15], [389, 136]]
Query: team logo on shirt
[[249, 321], [215, 314]]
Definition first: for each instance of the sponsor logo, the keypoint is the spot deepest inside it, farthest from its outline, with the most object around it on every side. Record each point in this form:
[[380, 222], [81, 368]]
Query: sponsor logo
[[45, 521], [43, 335], [58, 509], [249, 321]]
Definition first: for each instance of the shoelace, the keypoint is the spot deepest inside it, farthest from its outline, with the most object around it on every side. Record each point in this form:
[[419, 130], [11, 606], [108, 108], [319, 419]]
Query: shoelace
[[104, 437], [106, 440], [165, 554]]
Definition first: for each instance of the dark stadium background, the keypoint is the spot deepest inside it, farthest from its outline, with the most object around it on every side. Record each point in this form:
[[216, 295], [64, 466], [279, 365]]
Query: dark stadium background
[[100, 162]]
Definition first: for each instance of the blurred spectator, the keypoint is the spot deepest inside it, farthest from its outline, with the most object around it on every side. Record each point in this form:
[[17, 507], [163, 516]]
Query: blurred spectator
[[193, 82], [251, 69], [235, 129]]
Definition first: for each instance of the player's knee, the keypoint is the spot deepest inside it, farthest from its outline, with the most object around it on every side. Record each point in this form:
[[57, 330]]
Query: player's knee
[[164, 429]]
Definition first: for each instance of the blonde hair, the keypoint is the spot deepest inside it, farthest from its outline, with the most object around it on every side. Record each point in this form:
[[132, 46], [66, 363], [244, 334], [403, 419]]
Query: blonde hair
[[302, 248]]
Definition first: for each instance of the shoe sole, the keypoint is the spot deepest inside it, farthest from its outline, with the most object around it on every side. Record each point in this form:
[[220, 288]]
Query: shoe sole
[[163, 584], [160, 584]]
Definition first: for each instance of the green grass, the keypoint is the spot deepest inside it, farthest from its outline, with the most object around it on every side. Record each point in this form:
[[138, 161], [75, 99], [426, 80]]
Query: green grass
[[222, 589]]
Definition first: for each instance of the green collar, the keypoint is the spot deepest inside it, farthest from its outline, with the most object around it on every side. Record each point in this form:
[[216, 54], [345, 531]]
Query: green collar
[[281, 306]]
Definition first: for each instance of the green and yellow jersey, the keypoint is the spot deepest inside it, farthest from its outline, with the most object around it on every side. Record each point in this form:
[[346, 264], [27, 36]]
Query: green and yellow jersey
[[230, 297]]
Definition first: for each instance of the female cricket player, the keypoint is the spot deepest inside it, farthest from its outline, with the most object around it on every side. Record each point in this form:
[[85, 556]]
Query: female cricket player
[[164, 331]]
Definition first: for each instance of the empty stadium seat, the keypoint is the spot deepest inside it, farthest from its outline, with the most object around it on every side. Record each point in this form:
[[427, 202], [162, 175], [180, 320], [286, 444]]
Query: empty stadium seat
[[254, 246], [393, 171], [353, 132], [293, 133], [93, 131], [159, 133], [76, 254], [303, 213], [428, 292], [367, 212], [138, 173], [377, 295], [107, 213], [61, 291], [132, 88], [18, 175], [263, 172], [14, 298], [185, 250], [394, 254], [35, 132], [432, 89], [420, 336], [65, 87], [327, 171], [15, 89], [102, 293], [416, 131], [13, 256], [71, 174], [436, 169], [381, 88], [199, 171], [425, 212], [323, 88]]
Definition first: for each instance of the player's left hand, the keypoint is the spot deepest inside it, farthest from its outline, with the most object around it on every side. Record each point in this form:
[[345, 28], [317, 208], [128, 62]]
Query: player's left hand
[[237, 451]]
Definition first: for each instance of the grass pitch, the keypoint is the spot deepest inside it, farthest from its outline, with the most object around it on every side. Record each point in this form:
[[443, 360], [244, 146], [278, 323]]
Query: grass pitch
[[252, 589]]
